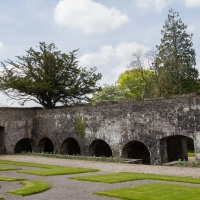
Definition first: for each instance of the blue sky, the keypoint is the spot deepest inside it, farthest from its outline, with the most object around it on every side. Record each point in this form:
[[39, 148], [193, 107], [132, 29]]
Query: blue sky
[[106, 32]]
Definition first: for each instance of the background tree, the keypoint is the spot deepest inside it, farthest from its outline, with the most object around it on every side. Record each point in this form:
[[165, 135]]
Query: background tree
[[47, 77], [108, 93], [134, 83], [174, 65]]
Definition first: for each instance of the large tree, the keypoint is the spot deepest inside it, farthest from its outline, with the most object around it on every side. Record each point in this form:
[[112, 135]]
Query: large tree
[[48, 77], [174, 65]]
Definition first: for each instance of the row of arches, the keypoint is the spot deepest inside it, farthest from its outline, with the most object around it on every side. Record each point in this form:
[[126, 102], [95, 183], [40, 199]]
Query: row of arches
[[172, 148]]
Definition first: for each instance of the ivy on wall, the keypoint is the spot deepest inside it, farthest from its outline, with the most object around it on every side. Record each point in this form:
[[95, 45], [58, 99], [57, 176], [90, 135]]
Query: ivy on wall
[[80, 125]]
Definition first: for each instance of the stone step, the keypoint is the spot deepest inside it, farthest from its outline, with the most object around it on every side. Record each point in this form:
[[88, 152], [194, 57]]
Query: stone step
[[170, 163]]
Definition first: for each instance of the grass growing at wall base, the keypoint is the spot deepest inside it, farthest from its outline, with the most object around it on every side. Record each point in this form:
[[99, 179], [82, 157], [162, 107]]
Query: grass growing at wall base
[[31, 187], [154, 191], [129, 176], [48, 170]]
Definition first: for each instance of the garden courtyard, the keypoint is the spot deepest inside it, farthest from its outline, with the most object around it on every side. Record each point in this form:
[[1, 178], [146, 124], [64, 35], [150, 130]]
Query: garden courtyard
[[28, 177]]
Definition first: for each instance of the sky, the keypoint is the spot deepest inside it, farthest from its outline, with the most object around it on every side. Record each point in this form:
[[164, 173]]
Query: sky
[[106, 32]]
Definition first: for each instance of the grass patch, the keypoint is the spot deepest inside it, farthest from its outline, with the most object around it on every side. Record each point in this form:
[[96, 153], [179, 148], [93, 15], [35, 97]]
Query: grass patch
[[154, 191], [5, 168], [1, 198], [47, 170], [10, 179], [129, 176], [190, 153], [31, 187]]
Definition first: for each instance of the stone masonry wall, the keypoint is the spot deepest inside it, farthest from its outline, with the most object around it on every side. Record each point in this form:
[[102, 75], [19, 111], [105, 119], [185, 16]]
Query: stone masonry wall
[[149, 122]]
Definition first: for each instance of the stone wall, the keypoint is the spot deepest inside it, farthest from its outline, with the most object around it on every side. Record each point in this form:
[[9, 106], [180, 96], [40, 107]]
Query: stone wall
[[128, 128]]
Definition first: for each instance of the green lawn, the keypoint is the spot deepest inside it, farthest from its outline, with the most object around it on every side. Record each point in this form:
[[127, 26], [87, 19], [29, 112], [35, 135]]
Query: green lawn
[[190, 153], [9, 179], [47, 170], [154, 191], [129, 176], [31, 187], [1, 198], [7, 168]]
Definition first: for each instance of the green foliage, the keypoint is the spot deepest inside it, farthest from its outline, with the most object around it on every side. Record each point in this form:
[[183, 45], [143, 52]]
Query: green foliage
[[48, 77], [174, 64], [80, 125], [31, 187], [135, 83], [129, 176], [108, 93], [154, 191]]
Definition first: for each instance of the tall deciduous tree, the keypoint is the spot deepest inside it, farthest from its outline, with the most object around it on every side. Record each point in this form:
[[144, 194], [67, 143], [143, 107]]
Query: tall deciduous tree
[[174, 66], [47, 77], [135, 83]]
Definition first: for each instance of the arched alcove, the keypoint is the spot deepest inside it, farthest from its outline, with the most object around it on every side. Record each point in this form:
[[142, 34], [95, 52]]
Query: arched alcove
[[173, 148], [2, 140], [23, 145], [136, 150], [46, 145], [100, 148], [71, 147]]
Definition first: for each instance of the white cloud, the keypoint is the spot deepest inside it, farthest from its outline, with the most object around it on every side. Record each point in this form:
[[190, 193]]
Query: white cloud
[[192, 3], [1, 46], [88, 16], [191, 28], [157, 4], [111, 60]]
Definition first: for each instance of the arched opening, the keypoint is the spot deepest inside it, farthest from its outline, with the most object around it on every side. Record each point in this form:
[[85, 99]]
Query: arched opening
[[23, 145], [2, 140], [190, 147], [173, 148], [136, 150], [71, 147], [46, 145], [100, 148]]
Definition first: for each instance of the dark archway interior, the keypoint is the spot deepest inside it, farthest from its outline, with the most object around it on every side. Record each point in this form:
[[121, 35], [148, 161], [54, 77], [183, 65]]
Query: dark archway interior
[[46, 145], [174, 148], [190, 144], [23, 145], [71, 147], [2, 140], [100, 148], [177, 148], [136, 150]]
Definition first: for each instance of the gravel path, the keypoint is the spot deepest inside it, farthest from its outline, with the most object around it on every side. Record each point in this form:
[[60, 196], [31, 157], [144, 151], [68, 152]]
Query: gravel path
[[64, 188]]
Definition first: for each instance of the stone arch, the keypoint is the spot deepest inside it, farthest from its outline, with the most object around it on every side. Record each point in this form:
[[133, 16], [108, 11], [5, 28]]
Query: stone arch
[[100, 148], [2, 140], [70, 146], [136, 150], [25, 144], [45, 145], [173, 148]]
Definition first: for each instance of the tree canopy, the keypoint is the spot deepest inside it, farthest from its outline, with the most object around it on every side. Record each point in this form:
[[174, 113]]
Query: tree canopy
[[175, 62], [107, 93], [135, 83], [48, 77]]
